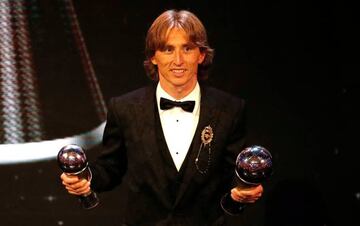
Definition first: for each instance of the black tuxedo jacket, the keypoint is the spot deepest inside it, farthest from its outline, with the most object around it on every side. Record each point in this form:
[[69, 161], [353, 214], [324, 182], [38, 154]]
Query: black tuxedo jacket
[[136, 156]]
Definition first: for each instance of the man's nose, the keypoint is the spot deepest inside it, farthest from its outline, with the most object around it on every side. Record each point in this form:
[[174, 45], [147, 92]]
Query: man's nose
[[178, 58]]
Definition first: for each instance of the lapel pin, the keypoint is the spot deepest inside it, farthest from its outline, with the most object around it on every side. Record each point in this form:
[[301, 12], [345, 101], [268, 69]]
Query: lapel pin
[[207, 135]]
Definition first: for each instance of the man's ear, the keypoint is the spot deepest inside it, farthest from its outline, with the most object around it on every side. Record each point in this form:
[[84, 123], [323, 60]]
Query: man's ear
[[201, 58], [153, 60]]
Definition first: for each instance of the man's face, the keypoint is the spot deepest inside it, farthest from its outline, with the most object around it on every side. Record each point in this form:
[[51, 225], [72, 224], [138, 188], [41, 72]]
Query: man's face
[[178, 62]]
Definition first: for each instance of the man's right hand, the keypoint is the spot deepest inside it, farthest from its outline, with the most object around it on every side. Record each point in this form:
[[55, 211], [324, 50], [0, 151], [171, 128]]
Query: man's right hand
[[75, 185]]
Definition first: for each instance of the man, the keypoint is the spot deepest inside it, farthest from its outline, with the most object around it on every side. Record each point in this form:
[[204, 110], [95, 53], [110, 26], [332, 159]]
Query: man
[[174, 162]]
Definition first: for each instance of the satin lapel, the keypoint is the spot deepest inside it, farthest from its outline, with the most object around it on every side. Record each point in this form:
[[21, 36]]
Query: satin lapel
[[208, 116]]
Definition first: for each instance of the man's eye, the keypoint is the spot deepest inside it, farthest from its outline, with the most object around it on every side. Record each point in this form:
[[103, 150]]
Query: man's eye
[[167, 50], [187, 48]]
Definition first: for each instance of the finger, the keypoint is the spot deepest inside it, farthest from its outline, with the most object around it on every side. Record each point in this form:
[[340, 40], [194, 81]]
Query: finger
[[68, 184], [250, 200], [241, 193], [82, 191], [259, 189], [251, 191], [78, 185], [235, 197], [240, 197], [78, 188], [244, 197], [69, 179], [244, 200]]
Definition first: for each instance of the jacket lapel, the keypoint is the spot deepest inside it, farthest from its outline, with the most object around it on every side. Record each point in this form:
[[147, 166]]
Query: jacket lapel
[[145, 116], [208, 116]]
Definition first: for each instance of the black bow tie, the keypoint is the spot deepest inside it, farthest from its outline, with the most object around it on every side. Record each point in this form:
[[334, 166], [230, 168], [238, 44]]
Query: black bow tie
[[166, 104]]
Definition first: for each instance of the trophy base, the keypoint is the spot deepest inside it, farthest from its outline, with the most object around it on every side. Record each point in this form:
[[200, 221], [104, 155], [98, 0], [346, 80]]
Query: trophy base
[[89, 201], [230, 206]]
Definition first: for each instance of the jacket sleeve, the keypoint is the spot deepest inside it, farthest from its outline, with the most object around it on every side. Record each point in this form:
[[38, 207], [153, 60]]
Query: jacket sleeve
[[236, 140], [111, 165]]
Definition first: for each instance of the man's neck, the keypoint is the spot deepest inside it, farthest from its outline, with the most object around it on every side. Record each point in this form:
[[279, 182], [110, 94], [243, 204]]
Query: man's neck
[[178, 92]]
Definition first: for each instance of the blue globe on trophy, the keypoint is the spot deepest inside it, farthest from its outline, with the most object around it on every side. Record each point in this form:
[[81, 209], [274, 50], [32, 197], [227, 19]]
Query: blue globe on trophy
[[72, 161], [253, 165]]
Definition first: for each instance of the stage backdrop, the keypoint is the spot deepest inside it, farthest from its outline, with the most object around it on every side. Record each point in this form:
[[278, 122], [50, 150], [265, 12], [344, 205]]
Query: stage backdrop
[[293, 62]]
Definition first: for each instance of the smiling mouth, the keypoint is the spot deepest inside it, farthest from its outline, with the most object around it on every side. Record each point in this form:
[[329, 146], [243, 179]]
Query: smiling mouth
[[178, 71]]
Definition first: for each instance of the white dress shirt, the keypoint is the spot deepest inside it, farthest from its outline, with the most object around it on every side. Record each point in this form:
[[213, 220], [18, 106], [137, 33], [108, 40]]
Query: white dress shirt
[[178, 125]]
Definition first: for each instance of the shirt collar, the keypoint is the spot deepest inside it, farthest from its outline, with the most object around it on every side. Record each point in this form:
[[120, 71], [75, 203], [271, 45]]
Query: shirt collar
[[193, 95]]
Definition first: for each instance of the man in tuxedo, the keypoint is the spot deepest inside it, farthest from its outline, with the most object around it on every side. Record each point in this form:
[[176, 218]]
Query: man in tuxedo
[[172, 145]]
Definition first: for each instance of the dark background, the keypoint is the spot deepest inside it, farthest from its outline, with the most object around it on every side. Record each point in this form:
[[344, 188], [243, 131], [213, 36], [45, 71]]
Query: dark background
[[293, 61]]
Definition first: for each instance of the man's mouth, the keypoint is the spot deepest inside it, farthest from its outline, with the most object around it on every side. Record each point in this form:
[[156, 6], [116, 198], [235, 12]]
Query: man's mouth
[[178, 71]]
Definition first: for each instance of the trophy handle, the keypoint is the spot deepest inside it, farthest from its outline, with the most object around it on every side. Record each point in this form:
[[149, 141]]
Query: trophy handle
[[230, 206], [90, 200]]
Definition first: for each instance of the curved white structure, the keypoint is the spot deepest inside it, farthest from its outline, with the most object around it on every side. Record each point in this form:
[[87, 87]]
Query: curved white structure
[[37, 151]]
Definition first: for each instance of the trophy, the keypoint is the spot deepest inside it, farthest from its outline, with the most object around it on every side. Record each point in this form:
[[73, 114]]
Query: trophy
[[72, 161], [253, 165]]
